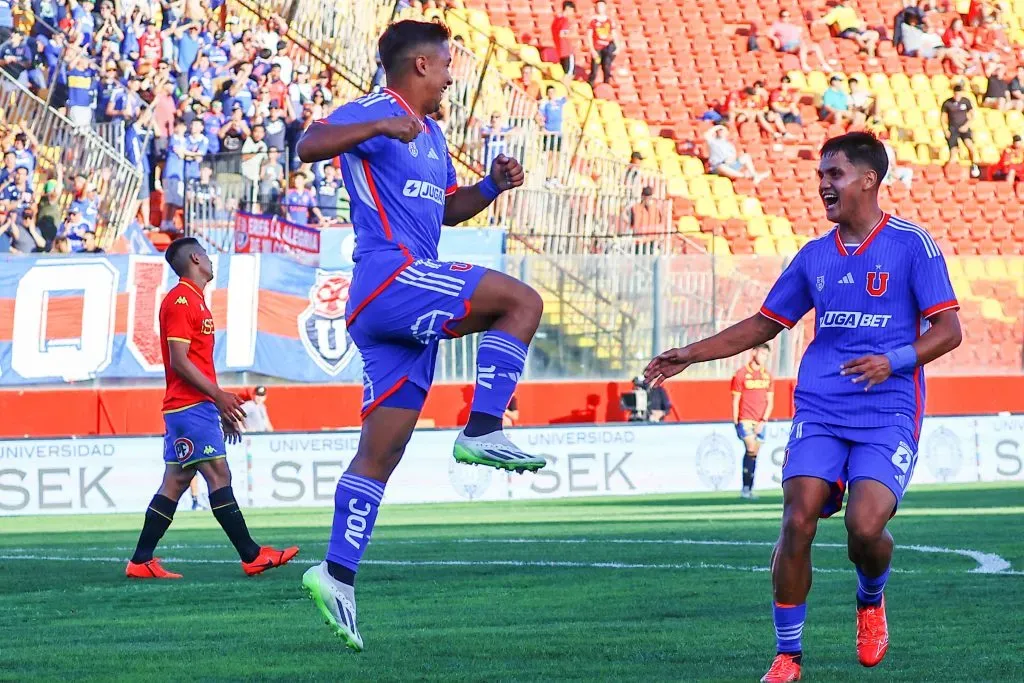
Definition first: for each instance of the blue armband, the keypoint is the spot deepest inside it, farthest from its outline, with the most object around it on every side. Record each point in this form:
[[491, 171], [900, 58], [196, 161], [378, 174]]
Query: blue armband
[[489, 189], [903, 358]]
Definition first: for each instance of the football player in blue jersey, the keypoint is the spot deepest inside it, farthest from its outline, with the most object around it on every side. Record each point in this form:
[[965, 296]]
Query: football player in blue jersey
[[403, 300], [884, 307]]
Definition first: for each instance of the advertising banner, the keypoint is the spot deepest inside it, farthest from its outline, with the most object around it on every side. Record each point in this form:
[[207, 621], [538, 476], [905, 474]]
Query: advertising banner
[[301, 470], [256, 234]]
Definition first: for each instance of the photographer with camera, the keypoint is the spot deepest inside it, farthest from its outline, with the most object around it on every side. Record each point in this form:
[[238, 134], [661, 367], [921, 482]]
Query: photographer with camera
[[644, 404]]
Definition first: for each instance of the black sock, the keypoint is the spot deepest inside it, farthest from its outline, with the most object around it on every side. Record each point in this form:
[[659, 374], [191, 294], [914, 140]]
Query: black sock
[[225, 509], [158, 517], [749, 464], [341, 573], [481, 423]]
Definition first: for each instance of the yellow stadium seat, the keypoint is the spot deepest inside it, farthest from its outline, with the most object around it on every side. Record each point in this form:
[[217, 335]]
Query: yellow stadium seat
[[700, 186], [504, 36], [920, 82], [955, 266], [817, 82], [677, 188], [1015, 268], [797, 80], [989, 154], [801, 240], [919, 133], [786, 245], [582, 89], [664, 147], [721, 186], [688, 224], [780, 226], [764, 246], [751, 207], [757, 226], [982, 137], [727, 207], [705, 206], [555, 71], [1015, 121], [993, 310], [879, 83], [926, 101], [906, 152], [974, 267], [905, 101], [995, 269], [899, 83], [637, 129], [941, 84], [692, 167], [720, 245], [893, 118], [924, 154]]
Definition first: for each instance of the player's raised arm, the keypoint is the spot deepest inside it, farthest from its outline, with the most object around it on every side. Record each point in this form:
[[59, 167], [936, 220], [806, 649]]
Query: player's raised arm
[[465, 202], [744, 335], [325, 140]]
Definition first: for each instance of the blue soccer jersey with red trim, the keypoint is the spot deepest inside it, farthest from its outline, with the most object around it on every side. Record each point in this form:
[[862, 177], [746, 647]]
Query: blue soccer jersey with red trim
[[871, 300]]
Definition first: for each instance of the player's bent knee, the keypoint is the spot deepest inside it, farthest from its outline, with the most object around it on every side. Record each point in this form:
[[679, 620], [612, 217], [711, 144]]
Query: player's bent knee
[[799, 525], [863, 528]]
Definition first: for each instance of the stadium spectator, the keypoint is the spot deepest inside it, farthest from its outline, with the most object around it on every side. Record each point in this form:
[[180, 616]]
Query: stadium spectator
[[895, 173], [8, 228], [172, 178], [724, 160], [49, 210], [917, 41], [957, 44], [204, 191], [24, 152], [835, 102], [769, 121], [276, 128], [8, 169], [1011, 162], [957, 115], [74, 228], [257, 419], [528, 83], [138, 147], [563, 32], [788, 37], [1017, 90], [910, 9], [299, 201], [81, 86], [862, 103], [493, 136], [990, 41], [6, 20], [29, 238], [785, 102], [997, 92], [17, 193], [300, 90], [89, 245], [552, 115], [646, 216], [85, 199], [233, 135], [16, 57], [844, 22], [332, 200], [253, 154], [602, 42], [272, 177]]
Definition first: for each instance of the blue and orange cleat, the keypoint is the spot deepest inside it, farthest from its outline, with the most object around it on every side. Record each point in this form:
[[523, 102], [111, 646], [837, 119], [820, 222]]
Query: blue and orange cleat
[[268, 559], [872, 634], [149, 570], [785, 668]]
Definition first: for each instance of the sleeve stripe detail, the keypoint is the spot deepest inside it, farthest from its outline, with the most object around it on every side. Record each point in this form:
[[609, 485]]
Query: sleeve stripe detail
[[179, 339], [451, 190], [785, 322], [951, 305]]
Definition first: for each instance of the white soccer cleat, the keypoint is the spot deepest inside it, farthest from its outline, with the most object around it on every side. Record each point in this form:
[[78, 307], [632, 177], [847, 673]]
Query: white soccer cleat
[[747, 494], [336, 602], [495, 450]]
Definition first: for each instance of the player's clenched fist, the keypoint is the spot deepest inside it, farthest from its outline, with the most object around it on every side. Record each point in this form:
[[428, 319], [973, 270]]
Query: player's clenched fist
[[404, 128], [871, 369], [507, 172], [665, 365]]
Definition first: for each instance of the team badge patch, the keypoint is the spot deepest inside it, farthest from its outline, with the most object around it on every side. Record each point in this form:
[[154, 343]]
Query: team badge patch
[[877, 283], [820, 282], [183, 449], [322, 326], [413, 150]]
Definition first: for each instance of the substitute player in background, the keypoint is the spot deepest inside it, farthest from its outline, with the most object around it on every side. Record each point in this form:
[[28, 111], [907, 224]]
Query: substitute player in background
[[884, 308], [753, 396], [197, 413], [403, 300]]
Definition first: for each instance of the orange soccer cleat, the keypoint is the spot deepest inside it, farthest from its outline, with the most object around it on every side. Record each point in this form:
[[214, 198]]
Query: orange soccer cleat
[[268, 559], [785, 668], [872, 634], [149, 570]]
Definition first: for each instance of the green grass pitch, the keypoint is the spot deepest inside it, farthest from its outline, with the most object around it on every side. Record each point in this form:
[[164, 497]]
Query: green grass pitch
[[665, 588]]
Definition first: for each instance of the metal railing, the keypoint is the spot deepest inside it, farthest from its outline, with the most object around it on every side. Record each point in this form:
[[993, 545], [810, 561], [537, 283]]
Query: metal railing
[[79, 151]]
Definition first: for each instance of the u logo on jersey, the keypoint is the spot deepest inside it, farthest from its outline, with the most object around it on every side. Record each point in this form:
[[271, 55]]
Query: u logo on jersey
[[877, 283], [322, 327]]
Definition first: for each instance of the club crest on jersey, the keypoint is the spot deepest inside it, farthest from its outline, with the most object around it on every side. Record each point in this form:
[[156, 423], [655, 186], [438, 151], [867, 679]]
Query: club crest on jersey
[[820, 282], [877, 283], [322, 326], [183, 449], [413, 150]]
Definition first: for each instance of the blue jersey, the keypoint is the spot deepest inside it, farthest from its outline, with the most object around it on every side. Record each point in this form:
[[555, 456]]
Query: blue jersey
[[398, 189], [871, 301]]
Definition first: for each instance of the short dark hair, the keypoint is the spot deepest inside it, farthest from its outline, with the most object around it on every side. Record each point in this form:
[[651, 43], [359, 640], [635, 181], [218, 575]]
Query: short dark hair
[[179, 250], [567, 4], [862, 149], [402, 38]]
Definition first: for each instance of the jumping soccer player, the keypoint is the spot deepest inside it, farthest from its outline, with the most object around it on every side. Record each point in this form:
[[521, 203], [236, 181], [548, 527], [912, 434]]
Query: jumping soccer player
[[884, 308], [197, 414], [403, 300], [752, 399]]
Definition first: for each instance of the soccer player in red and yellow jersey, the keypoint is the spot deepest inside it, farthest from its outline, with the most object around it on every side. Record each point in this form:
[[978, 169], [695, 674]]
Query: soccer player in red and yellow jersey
[[197, 414], [753, 395]]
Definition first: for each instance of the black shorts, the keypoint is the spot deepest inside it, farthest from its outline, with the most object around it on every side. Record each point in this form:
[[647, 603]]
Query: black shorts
[[790, 117], [552, 142], [956, 136], [850, 33]]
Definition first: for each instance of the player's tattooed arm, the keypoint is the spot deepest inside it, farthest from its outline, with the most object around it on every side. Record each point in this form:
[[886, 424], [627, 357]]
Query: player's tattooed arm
[[943, 336], [744, 335], [323, 141], [228, 404], [506, 174]]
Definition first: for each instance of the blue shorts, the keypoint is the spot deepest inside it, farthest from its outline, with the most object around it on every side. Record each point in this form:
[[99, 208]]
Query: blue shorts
[[745, 428], [845, 454], [193, 435], [397, 329]]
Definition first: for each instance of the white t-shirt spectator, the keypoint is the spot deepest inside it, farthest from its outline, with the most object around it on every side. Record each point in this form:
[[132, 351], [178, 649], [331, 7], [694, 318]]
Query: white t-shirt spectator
[[720, 151], [251, 168], [256, 417]]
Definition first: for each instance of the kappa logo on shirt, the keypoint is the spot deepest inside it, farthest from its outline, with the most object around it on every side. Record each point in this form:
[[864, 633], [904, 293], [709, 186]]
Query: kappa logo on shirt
[[181, 301]]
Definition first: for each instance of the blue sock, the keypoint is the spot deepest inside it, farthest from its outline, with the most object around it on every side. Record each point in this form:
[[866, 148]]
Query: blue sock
[[869, 589], [356, 501], [789, 627], [499, 364]]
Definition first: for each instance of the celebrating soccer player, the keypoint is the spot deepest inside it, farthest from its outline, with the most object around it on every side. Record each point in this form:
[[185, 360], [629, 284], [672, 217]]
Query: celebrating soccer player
[[752, 399], [884, 308], [197, 413], [403, 300]]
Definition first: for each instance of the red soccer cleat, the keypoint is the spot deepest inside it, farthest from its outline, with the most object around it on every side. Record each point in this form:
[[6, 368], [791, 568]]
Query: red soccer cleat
[[268, 559], [872, 634], [149, 570], [784, 669]]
